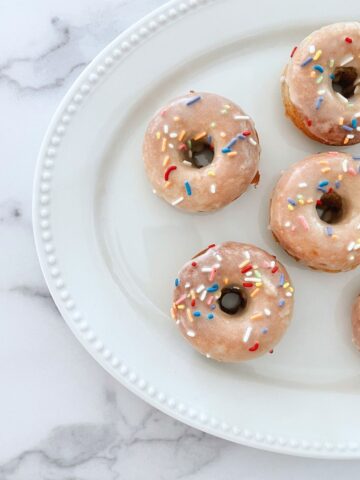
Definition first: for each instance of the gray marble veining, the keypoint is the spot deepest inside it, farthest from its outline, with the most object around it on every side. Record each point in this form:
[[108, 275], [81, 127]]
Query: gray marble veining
[[61, 416]]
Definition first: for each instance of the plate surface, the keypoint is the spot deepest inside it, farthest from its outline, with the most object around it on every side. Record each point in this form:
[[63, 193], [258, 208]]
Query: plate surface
[[110, 249]]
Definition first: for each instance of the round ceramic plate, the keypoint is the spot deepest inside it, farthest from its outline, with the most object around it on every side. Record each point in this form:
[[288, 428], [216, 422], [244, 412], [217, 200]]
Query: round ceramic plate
[[110, 249]]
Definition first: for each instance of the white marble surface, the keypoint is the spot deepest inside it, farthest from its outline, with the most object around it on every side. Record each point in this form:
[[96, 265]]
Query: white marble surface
[[62, 416]]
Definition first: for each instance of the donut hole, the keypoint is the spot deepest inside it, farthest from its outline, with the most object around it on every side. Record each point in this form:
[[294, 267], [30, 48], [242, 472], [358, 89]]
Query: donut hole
[[198, 153], [330, 207], [344, 79], [233, 300]]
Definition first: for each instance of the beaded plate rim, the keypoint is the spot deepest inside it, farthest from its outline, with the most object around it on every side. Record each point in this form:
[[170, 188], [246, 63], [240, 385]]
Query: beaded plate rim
[[118, 49]]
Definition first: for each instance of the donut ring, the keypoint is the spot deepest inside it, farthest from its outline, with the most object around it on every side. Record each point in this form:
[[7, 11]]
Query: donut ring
[[179, 136], [233, 302], [355, 320], [315, 211], [321, 84]]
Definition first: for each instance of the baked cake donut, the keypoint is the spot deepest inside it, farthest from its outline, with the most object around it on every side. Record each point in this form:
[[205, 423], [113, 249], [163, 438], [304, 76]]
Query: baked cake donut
[[315, 211], [201, 152], [355, 320], [321, 84], [233, 302]]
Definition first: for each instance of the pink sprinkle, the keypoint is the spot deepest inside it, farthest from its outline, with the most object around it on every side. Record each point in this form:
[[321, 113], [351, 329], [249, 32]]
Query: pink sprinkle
[[210, 299], [181, 299], [212, 275], [352, 171], [303, 222]]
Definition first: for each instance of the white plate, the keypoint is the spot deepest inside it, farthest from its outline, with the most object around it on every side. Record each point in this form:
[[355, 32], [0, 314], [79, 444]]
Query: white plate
[[110, 249]]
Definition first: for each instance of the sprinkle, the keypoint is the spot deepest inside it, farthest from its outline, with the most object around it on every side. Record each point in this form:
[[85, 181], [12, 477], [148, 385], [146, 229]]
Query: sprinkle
[[312, 49], [225, 150], [247, 284], [241, 117], [177, 201], [319, 102], [163, 145], [347, 59], [281, 302], [286, 285], [247, 254], [348, 40], [193, 100], [213, 288], [245, 262], [329, 231], [193, 302], [197, 313], [188, 313], [345, 166], [317, 55], [309, 122], [323, 183], [351, 246], [303, 222], [337, 184], [264, 330], [325, 169], [168, 171], [254, 347], [291, 202], [347, 128], [232, 154], [318, 68], [331, 62], [190, 333], [166, 129], [212, 274], [213, 188], [231, 143], [293, 51], [200, 135], [173, 135], [354, 122], [282, 280], [320, 79], [188, 188], [211, 173], [252, 141], [203, 295], [246, 268], [356, 157], [254, 292], [177, 282], [166, 160], [180, 299], [256, 316], [246, 133], [303, 185], [267, 312], [167, 184], [210, 316], [247, 334], [182, 135], [275, 269], [307, 61], [252, 279]]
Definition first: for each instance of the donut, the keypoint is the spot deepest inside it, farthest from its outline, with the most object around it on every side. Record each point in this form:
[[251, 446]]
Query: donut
[[233, 302], [321, 84], [315, 211], [355, 320], [201, 152]]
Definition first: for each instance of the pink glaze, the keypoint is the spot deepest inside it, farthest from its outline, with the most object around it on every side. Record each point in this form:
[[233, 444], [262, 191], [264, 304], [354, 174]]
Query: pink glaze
[[337, 45], [229, 174], [249, 333], [299, 229]]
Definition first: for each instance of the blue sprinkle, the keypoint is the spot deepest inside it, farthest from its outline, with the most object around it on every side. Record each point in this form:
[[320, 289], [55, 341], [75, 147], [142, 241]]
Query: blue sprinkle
[[282, 280], [329, 231], [319, 102], [332, 76], [210, 316], [226, 150], [354, 122], [323, 183], [321, 189], [197, 313], [281, 302], [240, 136], [356, 157], [337, 184], [319, 68], [264, 330], [213, 288], [209, 139], [307, 61], [231, 143], [193, 100], [177, 282], [188, 188], [347, 128], [292, 202], [212, 307]]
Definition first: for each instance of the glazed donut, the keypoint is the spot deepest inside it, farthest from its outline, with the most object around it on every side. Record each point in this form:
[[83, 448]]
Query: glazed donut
[[201, 152], [355, 320], [315, 211], [233, 302], [321, 84]]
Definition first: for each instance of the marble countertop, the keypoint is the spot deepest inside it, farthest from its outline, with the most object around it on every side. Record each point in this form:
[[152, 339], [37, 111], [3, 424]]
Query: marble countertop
[[61, 415]]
